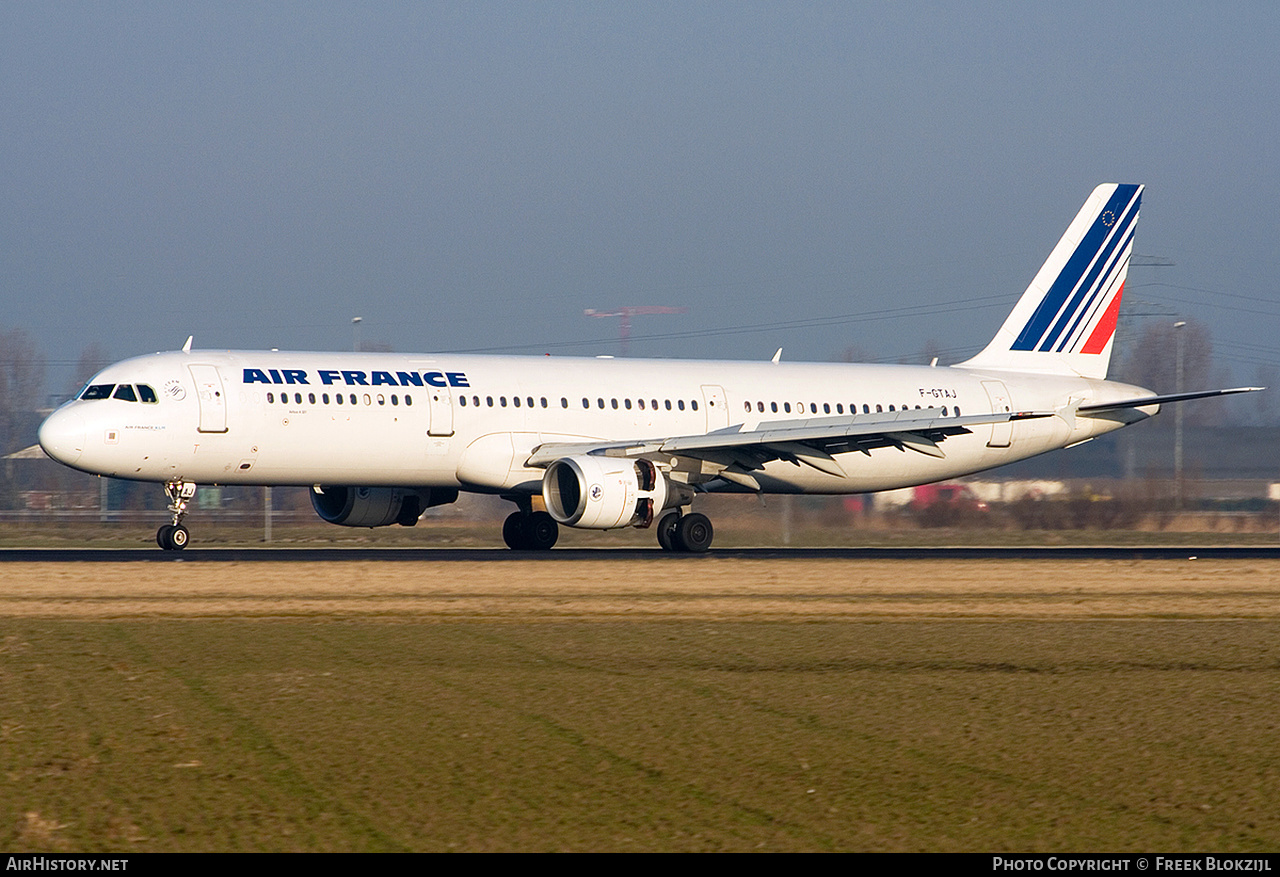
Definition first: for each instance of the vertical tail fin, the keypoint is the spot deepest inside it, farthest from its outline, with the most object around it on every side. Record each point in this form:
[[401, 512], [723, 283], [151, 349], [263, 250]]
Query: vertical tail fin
[[1066, 320]]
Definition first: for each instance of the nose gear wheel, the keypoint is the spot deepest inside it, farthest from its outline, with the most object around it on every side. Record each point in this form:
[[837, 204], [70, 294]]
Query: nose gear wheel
[[174, 536]]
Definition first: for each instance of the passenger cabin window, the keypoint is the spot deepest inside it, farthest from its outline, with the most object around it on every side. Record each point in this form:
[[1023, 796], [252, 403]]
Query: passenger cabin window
[[98, 391]]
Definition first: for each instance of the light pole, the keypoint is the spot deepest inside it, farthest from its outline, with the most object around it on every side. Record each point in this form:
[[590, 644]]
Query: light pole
[[1177, 421], [355, 333]]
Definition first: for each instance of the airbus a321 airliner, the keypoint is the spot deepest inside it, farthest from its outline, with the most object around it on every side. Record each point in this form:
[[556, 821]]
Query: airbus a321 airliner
[[607, 443]]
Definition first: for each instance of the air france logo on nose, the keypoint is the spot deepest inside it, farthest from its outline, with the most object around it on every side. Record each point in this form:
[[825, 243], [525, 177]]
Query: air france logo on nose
[[356, 378]]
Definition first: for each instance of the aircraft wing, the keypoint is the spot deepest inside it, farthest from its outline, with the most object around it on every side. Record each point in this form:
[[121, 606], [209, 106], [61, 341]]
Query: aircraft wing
[[734, 452]]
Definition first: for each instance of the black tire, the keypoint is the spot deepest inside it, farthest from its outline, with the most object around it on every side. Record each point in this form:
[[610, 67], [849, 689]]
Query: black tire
[[667, 530], [693, 533], [539, 531], [179, 536], [162, 537], [513, 532]]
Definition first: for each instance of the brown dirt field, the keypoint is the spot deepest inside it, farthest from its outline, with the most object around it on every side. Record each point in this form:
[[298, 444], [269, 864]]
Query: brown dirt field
[[661, 705], [663, 588]]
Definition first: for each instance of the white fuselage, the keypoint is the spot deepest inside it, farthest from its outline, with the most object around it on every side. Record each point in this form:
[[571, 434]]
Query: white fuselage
[[471, 422]]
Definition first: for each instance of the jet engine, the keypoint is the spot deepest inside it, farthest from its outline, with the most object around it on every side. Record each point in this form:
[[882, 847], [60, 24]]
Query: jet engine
[[601, 493], [376, 506]]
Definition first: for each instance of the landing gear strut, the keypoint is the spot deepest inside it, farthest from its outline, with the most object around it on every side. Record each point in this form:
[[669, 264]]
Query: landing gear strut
[[689, 533], [174, 537]]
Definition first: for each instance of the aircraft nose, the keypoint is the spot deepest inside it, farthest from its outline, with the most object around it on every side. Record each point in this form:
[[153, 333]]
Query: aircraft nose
[[62, 436]]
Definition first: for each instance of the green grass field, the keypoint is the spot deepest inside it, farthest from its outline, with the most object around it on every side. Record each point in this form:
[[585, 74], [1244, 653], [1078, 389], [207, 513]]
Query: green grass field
[[329, 734]]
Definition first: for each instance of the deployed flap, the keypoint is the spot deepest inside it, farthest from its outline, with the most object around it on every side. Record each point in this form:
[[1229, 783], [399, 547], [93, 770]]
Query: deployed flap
[[919, 430]]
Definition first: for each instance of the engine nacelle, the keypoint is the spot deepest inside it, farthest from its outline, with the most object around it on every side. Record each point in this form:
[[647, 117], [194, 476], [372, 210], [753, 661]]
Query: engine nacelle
[[376, 506], [601, 493]]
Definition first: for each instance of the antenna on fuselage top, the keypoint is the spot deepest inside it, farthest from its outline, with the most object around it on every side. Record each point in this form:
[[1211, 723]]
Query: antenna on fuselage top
[[186, 348], [777, 357]]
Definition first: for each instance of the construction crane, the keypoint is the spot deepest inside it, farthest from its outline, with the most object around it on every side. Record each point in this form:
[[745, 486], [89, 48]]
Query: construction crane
[[625, 313]]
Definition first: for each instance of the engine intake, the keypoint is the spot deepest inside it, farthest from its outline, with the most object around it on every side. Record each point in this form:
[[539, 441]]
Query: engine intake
[[376, 506], [601, 493]]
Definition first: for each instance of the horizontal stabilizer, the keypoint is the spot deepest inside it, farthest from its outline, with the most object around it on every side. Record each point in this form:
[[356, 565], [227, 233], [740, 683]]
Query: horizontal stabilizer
[[1144, 401]]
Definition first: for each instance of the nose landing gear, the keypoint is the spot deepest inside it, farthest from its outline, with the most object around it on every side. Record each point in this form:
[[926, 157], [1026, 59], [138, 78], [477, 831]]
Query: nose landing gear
[[174, 537]]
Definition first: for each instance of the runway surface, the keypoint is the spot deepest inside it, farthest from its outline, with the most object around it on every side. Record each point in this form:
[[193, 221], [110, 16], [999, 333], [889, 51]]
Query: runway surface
[[502, 555]]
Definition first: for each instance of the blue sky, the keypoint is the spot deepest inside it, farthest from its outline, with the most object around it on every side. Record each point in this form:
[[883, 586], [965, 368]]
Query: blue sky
[[472, 176]]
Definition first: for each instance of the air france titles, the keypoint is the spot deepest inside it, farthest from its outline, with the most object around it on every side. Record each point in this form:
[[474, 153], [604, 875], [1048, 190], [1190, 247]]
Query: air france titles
[[356, 378]]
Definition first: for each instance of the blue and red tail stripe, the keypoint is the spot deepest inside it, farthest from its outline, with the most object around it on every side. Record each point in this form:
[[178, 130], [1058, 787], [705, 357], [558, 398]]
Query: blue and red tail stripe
[[1091, 277], [1112, 278]]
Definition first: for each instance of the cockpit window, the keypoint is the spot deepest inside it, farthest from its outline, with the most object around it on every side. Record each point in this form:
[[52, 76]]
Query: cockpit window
[[98, 391], [146, 394], [125, 393]]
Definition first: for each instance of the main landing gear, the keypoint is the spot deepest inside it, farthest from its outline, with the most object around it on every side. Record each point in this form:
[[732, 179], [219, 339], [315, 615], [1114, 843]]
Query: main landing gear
[[530, 531], [174, 537], [527, 530], [689, 533]]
